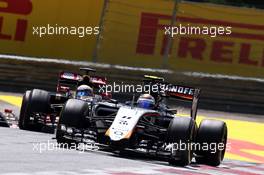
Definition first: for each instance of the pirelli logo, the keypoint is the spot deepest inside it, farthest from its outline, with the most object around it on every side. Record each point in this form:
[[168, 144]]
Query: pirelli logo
[[242, 47], [19, 8]]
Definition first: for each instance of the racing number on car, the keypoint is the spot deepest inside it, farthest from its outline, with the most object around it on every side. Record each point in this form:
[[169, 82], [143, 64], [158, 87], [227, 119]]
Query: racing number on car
[[124, 120], [125, 117]]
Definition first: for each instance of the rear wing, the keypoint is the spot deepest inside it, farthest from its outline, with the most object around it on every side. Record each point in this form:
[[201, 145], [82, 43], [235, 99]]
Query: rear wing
[[167, 89], [184, 93], [180, 92], [92, 80], [69, 81], [97, 81]]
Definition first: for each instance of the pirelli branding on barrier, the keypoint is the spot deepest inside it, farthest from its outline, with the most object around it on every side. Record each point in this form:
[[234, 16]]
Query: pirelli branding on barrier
[[49, 28], [134, 34], [240, 51], [21, 8], [239, 48]]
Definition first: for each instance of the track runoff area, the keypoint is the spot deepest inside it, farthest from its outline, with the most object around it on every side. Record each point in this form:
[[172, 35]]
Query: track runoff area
[[245, 156]]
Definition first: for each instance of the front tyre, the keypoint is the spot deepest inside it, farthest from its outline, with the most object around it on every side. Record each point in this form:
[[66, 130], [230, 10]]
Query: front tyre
[[72, 116], [24, 112]]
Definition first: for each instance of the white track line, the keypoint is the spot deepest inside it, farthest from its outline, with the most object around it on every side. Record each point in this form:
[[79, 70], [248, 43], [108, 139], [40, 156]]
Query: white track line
[[221, 76], [129, 68], [81, 63]]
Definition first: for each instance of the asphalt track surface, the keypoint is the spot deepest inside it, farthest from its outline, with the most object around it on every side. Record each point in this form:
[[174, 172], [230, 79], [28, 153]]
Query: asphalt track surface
[[25, 152]]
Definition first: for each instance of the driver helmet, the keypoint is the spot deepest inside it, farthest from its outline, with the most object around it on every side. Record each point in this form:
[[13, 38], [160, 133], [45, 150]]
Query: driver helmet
[[84, 92], [146, 101]]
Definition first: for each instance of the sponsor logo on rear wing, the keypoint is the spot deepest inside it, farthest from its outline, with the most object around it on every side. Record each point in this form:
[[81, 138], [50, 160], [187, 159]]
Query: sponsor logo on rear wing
[[181, 92], [98, 80], [74, 77], [177, 91], [68, 81], [70, 76]]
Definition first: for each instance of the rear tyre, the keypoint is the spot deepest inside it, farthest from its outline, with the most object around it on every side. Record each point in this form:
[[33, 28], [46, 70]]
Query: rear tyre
[[35, 101], [24, 112], [40, 101], [181, 132], [212, 133], [72, 115]]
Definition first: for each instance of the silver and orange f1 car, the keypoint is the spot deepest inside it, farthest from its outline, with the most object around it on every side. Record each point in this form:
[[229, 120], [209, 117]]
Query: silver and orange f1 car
[[158, 131]]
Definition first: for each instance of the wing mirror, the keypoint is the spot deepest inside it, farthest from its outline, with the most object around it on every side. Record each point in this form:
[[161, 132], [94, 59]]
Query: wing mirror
[[174, 111], [114, 101]]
